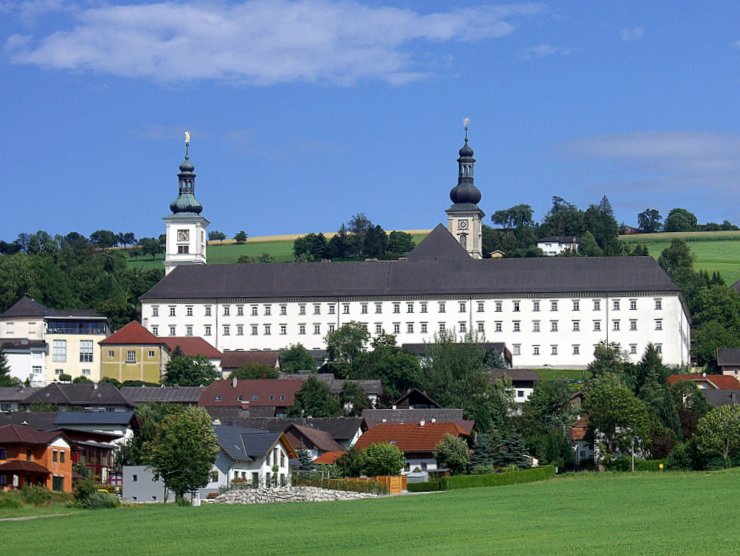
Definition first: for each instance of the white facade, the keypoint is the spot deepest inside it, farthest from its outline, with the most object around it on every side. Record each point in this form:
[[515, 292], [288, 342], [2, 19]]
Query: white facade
[[552, 247], [28, 364], [186, 240], [559, 331], [259, 472], [467, 228]]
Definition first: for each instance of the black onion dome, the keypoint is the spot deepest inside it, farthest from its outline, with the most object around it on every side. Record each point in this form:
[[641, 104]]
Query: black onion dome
[[466, 150], [465, 193], [186, 202], [186, 166]]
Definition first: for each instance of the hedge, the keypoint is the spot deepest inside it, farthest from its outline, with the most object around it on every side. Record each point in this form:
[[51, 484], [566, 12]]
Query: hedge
[[625, 464], [487, 480]]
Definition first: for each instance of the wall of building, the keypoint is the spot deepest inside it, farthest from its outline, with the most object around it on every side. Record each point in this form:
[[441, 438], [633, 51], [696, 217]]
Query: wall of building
[[243, 324], [71, 365], [22, 327], [148, 364]]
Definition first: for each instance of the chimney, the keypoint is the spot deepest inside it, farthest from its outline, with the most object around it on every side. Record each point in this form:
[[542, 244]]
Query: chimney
[[422, 423], [233, 382], [434, 420], [394, 407]]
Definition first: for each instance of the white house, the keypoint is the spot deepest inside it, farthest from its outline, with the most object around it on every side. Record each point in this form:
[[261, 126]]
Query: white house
[[557, 245], [26, 359]]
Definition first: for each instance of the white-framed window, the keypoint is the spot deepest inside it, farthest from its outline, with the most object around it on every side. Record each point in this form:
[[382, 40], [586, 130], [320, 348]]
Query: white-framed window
[[268, 310], [345, 308], [302, 329], [85, 372], [535, 326], [396, 327], [658, 304], [615, 325], [536, 306], [130, 356], [424, 327], [576, 349], [615, 304], [227, 310], [36, 369], [268, 329], [480, 327], [516, 326], [498, 306], [576, 304], [317, 308], [553, 305], [409, 328], [254, 310], [633, 325], [207, 330], [462, 327], [410, 307], [498, 326], [576, 326], [254, 331], [155, 330], [207, 310], [553, 350], [553, 326], [302, 309], [283, 329], [189, 311], [363, 308], [658, 348], [597, 326], [516, 349], [240, 310], [442, 327], [188, 329], [442, 307], [317, 329], [480, 306], [535, 350], [423, 307], [172, 310], [173, 330], [152, 353], [378, 328], [461, 306], [396, 307], [516, 305], [332, 309], [227, 330], [597, 304], [633, 349], [283, 310], [658, 324], [378, 308], [86, 351], [240, 330], [155, 311], [633, 305], [331, 329]]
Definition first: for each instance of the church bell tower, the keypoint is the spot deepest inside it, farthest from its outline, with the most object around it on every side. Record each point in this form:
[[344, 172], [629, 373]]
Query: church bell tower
[[464, 217], [185, 227]]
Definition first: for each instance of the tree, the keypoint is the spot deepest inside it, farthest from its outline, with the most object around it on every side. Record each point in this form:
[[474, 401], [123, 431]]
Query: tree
[[608, 359], [240, 236], [103, 239], [514, 218], [305, 463], [126, 238], [718, 432], [400, 244], [351, 462], [707, 338], [353, 399], [615, 414], [383, 459], [254, 371], [599, 220], [344, 345], [340, 245], [676, 259], [297, 358], [183, 450], [314, 399], [358, 227], [150, 246], [680, 220], [563, 219], [183, 370], [215, 235], [5, 378], [548, 406], [588, 246], [376, 243], [452, 453], [311, 247], [648, 221]]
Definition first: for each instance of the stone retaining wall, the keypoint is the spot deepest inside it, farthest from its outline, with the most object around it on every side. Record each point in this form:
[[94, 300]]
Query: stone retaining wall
[[285, 494]]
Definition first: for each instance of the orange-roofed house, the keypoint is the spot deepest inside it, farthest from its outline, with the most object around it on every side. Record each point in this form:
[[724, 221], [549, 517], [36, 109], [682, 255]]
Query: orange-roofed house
[[32, 457], [193, 346], [133, 353], [708, 382], [417, 441]]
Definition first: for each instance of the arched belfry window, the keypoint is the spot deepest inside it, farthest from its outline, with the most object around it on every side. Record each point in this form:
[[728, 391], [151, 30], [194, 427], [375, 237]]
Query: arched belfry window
[[464, 240]]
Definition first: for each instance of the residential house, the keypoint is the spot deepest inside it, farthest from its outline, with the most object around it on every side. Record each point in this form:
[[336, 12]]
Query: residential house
[[12, 396], [728, 359], [557, 245], [232, 360], [79, 397], [717, 398], [523, 382], [374, 417], [26, 359], [262, 397], [708, 382], [133, 353], [414, 398], [417, 441], [583, 448], [32, 457], [194, 346], [317, 442], [183, 395]]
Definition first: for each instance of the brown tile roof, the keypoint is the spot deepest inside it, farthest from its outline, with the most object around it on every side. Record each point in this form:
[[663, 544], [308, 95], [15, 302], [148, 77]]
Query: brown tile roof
[[235, 359], [579, 429], [328, 458], [410, 437], [322, 440], [23, 467], [23, 434], [132, 334], [258, 392], [192, 346], [718, 382]]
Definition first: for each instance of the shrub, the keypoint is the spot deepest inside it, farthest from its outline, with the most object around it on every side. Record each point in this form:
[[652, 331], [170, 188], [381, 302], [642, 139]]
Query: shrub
[[10, 500], [499, 479], [36, 495], [431, 486], [625, 464], [100, 500], [183, 502]]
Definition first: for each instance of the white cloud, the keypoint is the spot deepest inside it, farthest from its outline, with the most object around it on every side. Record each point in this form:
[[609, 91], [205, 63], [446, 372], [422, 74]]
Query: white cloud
[[634, 34], [735, 44], [261, 41], [668, 160], [543, 50]]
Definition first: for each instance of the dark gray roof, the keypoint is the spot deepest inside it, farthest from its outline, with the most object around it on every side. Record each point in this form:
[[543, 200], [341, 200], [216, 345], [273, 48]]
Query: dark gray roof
[[559, 239], [164, 394], [21, 344], [516, 375], [728, 356], [340, 428], [536, 276], [90, 418], [79, 394], [39, 420], [27, 307], [717, 398], [439, 244], [16, 393], [243, 444], [374, 417]]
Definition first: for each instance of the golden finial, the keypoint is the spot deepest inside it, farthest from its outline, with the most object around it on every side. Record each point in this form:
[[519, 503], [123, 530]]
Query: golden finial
[[187, 143]]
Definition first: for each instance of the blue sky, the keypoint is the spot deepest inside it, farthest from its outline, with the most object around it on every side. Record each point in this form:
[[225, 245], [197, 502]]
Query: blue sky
[[305, 112]]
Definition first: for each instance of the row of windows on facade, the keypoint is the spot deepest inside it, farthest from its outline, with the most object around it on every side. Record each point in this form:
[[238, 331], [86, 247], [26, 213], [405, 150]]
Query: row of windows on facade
[[410, 307], [516, 349], [462, 327], [57, 456], [59, 351]]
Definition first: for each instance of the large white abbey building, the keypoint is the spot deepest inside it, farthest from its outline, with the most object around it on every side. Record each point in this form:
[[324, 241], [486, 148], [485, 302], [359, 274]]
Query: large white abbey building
[[548, 311]]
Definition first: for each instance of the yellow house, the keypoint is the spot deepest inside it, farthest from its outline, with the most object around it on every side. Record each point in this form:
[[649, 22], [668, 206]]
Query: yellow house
[[133, 353]]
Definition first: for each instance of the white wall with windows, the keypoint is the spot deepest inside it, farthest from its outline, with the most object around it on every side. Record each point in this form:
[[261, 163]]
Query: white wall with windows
[[560, 331]]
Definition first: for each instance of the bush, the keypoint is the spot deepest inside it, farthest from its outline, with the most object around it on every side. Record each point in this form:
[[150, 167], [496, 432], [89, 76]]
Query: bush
[[431, 486], [183, 502], [36, 495], [10, 500], [499, 479], [100, 500], [625, 464]]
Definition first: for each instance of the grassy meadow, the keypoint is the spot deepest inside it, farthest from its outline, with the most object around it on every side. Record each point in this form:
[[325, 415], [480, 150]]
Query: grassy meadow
[[644, 513]]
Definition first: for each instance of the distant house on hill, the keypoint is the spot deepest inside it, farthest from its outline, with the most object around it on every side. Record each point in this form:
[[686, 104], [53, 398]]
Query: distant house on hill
[[557, 245], [708, 382], [232, 360], [728, 359]]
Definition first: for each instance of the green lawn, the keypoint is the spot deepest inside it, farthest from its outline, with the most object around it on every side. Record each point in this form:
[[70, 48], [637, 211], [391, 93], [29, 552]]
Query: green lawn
[[563, 374], [577, 514]]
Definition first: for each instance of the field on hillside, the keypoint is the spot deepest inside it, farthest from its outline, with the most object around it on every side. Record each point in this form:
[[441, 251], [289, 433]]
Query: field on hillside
[[590, 514]]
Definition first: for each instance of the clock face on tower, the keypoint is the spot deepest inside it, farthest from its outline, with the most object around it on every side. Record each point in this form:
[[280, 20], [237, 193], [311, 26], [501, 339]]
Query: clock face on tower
[[183, 235], [462, 225]]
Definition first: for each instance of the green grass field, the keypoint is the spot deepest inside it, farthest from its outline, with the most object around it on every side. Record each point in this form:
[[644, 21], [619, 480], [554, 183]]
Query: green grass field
[[590, 514]]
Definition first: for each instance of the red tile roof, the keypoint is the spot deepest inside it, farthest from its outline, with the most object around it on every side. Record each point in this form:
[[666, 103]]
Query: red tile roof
[[410, 437], [132, 334], [235, 359], [579, 429], [192, 346], [253, 393], [23, 434], [328, 458], [718, 382], [21, 466]]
